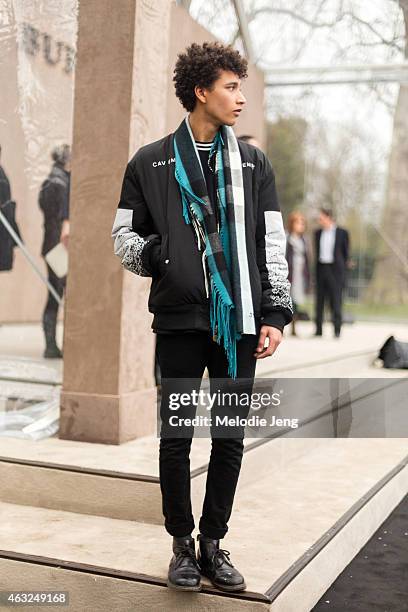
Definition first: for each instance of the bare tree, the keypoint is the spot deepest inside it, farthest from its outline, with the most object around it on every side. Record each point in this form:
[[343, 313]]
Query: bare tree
[[350, 29], [390, 282], [342, 171], [388, 34], [309, 19]]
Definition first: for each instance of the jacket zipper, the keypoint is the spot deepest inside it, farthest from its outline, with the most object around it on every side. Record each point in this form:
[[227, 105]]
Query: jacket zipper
[[201, 248], [205, 274]]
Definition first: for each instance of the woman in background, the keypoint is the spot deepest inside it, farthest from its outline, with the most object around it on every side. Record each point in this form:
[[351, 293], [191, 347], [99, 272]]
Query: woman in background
[[298, 262]]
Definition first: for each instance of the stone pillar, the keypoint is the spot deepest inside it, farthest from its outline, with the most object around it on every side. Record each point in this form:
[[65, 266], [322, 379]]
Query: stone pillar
[[121, 85]]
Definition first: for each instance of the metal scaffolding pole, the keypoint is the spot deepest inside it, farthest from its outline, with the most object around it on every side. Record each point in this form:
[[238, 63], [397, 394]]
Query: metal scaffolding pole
[[289, 76], [242, 24], [28, 256], [244, 29]]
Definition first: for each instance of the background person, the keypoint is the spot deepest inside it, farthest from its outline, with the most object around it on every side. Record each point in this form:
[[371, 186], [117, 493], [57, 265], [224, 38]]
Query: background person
[[54, 202], [250, 140], [298, 262], [332, 246], [8, 210], [5, 191]]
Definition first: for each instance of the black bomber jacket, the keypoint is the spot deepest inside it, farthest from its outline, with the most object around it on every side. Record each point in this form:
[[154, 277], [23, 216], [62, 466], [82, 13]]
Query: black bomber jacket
[[151, 239]]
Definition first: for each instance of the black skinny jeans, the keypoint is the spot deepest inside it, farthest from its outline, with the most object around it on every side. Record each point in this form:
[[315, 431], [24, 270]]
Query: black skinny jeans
[[185, 356]]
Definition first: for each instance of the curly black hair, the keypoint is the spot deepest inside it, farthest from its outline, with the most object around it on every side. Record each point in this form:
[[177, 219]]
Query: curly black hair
[[200, 65]]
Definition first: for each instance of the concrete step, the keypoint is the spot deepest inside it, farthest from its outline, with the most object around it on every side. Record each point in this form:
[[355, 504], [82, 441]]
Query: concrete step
[[291, 534], [59, 481], [29, 370], [74, 476]]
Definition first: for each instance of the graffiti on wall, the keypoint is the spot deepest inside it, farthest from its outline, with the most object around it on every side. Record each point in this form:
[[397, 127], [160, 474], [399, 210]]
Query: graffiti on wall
[[54, 52]]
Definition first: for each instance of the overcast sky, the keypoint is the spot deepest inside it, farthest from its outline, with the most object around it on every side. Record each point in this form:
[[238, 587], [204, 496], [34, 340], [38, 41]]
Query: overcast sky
[[278, 40]]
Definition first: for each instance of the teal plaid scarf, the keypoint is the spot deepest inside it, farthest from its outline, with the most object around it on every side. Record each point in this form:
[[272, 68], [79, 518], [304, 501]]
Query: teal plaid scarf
[[218, 247]]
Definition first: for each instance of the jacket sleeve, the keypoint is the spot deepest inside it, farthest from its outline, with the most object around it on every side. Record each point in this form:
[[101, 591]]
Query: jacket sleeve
[[135, 241], [5, 191], [52, 199], [346, 246], [276, 304], [65, 203]]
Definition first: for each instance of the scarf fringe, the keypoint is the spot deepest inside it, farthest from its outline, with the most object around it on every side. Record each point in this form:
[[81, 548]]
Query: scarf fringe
[[222, 308], [222, 320]]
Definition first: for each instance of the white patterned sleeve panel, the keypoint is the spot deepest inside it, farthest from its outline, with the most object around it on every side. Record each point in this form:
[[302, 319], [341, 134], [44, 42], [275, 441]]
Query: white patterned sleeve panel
[[132, 229], [276, 303], [128, 245], [276, 263]]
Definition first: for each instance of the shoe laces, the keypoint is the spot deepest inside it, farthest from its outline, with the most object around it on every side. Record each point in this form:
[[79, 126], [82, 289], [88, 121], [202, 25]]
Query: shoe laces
[[183, 552], [222, 556]]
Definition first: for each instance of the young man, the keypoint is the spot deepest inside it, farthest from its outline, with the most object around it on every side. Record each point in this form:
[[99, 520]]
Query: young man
[[198, 213], [332, 247]]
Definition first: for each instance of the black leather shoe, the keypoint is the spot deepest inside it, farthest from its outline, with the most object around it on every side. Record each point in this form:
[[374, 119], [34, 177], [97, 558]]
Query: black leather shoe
[[216, 565], [52, 352], [184, 571]]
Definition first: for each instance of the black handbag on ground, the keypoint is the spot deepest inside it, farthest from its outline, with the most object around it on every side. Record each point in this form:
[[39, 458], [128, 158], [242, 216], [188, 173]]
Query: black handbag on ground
[[394, 354]]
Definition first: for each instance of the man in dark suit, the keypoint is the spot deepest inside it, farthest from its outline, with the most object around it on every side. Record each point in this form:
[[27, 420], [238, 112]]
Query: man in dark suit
[[332, 255]]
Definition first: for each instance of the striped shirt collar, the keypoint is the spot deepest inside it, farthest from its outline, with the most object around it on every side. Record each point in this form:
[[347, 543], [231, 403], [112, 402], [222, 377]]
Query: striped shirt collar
[[203, 146]]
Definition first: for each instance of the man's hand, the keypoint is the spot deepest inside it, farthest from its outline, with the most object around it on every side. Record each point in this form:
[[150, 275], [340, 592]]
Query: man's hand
[[275, 338], [65, 233]]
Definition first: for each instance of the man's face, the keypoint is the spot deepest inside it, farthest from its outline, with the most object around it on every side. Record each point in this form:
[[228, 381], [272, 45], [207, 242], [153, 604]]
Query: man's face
[[224, 101], [324, 221]]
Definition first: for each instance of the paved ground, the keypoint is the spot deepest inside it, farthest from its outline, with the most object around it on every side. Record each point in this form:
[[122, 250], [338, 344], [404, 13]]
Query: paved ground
[[377, 578], [351, 355], [21, 348]]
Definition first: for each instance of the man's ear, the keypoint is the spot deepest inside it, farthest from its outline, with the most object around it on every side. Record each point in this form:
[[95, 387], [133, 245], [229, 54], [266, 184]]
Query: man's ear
[[200, 93]]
